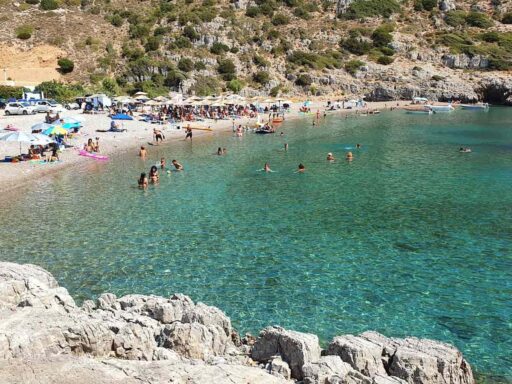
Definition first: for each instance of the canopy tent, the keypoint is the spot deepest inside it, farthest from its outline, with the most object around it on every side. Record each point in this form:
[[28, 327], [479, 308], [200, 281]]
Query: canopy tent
[[160, 98]]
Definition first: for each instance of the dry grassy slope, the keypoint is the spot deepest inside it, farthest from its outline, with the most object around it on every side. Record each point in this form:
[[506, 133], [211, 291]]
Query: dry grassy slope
[[67, 30]]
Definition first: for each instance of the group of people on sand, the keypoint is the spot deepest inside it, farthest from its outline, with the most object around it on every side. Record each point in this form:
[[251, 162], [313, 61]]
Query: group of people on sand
[[154, 177]]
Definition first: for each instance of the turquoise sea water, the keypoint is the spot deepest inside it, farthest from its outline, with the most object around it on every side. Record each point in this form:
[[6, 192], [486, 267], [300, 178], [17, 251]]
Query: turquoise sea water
[[411, 238]]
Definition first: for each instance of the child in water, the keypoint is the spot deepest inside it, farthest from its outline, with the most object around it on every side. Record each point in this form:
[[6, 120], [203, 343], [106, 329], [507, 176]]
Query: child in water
[[162, 163], [143, 181], [177, 165], [301, 169], [153, 174], [266, 167]]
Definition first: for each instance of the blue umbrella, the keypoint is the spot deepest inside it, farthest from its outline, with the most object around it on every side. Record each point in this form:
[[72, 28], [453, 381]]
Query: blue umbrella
[[41, 127]]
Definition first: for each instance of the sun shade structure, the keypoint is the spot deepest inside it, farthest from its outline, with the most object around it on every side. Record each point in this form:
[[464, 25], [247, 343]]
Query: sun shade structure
[[17, 137], [56, 130]]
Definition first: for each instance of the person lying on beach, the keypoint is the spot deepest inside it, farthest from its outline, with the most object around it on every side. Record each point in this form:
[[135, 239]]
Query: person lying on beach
[[143, 152], [177, 165], [153, 174], [143, 181], [330, 157]]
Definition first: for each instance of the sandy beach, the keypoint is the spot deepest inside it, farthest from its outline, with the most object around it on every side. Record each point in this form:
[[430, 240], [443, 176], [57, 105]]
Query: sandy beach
[[15, 175]]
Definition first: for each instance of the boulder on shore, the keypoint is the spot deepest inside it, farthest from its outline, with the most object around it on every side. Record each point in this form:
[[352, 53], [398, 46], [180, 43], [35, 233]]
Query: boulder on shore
[[46, 338]]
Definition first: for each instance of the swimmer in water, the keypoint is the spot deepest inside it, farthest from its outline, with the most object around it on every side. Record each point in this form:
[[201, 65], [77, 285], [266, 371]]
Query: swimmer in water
[[314, 123], [464, 150], [282, 133], [177, 165], [301, 168], [330, 157], [266, 167], [358, 146], [286, 146], [142, 152], [349, 156], [143, 181], [153, 174], [219, 151], [224, 151], [162, 163]]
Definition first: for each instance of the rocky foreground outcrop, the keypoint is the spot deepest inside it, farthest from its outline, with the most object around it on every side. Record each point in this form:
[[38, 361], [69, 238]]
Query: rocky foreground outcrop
[[46, 338]]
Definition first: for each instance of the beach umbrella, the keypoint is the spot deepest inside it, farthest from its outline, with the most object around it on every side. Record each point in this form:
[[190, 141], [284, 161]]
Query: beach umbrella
[[40, 139], [17, 137], [141, 94], [41, 126], [151, 103], [55, 130], [160, 98], [73, 120]]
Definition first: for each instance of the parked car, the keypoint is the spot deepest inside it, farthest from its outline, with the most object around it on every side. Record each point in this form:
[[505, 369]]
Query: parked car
[[73, 106], [18, 108], [48, 106]]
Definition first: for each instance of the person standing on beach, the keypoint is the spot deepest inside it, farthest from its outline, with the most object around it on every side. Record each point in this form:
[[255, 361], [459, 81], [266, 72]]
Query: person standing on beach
[[188, 131], [142, 152], [158, 135]]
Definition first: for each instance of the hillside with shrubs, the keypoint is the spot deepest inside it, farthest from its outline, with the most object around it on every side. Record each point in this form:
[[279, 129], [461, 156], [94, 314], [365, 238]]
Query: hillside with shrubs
[[384, 49]]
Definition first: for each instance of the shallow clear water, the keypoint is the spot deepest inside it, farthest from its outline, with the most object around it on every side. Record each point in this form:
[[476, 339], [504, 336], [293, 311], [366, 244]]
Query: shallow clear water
[[411, 238]]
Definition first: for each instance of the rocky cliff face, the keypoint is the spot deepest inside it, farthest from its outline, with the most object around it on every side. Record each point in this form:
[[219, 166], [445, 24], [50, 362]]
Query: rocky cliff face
[[46, 338]]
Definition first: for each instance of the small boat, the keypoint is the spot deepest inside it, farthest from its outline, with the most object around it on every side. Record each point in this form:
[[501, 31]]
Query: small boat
[[264, 131], [92, 155], [475, 107], [418, 111], [440, 108]]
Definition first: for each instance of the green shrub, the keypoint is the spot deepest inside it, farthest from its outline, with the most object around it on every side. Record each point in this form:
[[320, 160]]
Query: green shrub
[[280, 19], [185, 64], [387, 51], [385, 60], [219, 48], [274, 91], [490, 37], [205, 85], [116, 20], [181, 42], [252, 11], [507, 18], [24, 32], [59, 91], [455, 18], [8, 92], [353, 66], [260, 61], [370, 8], [110, 86], [190, 32], [357, 46], [49, 5], [302, 13], [138, 31], [174, 78], [478, 19], [66, 65], [152, 43], [261, 77], [425, 5], [304, 80], [199, 66], [235, 85], [206, 14], [227, 69], [381, 36]]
